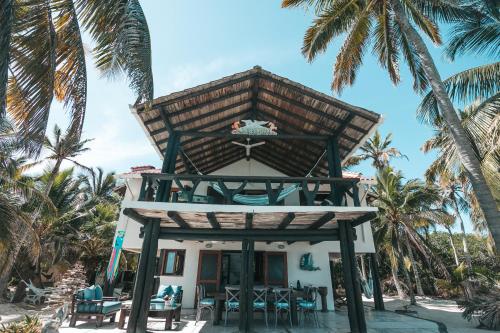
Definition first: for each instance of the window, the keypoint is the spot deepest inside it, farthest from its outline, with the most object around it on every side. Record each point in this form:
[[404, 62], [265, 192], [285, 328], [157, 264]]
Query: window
[[172, 262]]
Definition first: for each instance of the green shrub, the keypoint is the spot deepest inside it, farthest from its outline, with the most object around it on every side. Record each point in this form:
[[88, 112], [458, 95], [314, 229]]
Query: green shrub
[[30, 324], [485, 309]]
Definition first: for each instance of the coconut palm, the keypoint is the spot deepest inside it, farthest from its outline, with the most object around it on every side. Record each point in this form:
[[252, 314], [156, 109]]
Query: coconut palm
[[403, 207], [42, 56], [391, 27], [481, 122], [98, 187], [64, 147], [378, 150]]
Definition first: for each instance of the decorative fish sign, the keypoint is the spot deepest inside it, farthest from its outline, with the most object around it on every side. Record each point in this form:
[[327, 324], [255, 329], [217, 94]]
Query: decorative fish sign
[[307, 264]]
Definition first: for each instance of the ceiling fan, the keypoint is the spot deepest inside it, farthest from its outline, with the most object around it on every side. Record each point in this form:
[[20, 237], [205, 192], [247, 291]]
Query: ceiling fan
[[248, 147]]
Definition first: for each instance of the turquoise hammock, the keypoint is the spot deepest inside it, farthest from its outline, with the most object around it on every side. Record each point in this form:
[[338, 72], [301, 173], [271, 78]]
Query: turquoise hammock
[[260, 199]]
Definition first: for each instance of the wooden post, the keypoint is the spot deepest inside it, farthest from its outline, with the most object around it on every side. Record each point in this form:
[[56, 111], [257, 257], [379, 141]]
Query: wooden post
[[140, 279], [168, 166], [334, 169], [377, 288], [347, 263], [250, 281], [243, 287], [142, 320]]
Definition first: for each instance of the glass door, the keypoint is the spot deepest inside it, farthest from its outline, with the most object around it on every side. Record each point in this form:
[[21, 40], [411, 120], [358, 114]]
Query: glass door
[[275, 268], [209, 269]]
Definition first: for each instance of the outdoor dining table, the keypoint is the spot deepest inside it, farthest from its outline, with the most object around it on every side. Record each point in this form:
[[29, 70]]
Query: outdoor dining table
[[220, 298]]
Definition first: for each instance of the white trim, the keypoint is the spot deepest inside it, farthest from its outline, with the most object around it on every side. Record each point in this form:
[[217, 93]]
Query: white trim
[[210, 208], [133, 110], [364, 138]]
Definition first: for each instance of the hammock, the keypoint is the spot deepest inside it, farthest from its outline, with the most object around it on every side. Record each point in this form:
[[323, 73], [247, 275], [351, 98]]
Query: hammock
[[258, 199]]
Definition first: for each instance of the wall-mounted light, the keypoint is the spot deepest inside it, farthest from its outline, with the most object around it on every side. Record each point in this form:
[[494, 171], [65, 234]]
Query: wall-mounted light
[[208, 245], [281, 246]]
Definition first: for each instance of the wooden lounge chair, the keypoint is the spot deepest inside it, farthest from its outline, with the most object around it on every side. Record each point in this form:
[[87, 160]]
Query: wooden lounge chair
[[89, 302]]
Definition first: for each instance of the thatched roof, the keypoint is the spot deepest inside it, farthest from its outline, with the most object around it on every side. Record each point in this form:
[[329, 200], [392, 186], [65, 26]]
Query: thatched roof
[[261, 95]]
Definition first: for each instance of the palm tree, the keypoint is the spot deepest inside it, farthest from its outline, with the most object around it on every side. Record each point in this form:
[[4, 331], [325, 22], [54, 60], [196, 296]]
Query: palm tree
[[481, 122], [42, 56], [378, 150], [98, 186], [403, 207], [391, 27], [64, 148]]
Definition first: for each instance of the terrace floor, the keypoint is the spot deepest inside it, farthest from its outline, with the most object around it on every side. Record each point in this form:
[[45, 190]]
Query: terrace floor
[[377, 322]]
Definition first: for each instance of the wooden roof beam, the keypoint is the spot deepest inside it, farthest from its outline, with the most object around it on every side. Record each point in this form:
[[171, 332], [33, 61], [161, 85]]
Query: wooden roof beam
[[322, 221], [286, 221], [212, 219], [174, 216], [248, 220]]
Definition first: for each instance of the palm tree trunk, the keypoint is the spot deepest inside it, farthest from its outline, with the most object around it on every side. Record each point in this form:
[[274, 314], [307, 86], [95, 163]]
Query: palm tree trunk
[[363, 268], [418, 282], [464, 148], [6, 271], [399, 288], [455, 254], [468, 259], [413, 301]]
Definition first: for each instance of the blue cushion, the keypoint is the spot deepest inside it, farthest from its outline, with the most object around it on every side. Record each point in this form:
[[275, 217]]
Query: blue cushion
[[98, 293], [108, 307], [79, 294], [259, 305], [89, 293], [282, 305], [307, 305], [157, 300], [207, 301], [86, 308], [176, 290], [164, 290], [233, 305]]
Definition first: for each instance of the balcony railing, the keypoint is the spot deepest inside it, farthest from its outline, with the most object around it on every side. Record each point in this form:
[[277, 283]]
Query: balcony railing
[[157, 187]]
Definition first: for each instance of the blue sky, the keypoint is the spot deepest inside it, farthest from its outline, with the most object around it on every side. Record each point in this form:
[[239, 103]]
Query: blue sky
[[198, 41]]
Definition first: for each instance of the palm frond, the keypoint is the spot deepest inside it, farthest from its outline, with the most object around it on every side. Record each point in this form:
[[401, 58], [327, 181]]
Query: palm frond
[[33, 64], [123, 42], [384, 45], [7, 15], [472, 84], [319, 5], [71, 75]]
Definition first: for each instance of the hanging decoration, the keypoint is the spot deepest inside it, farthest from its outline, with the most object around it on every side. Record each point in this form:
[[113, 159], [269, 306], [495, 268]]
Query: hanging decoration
[[114, 260], [306, 263], [254, 127]]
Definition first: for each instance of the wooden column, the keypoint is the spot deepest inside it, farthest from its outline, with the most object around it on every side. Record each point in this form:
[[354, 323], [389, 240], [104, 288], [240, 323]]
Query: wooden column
[[142, 319], [334, 169], [243, 287], [140, 279], [377, 288], [168, 166], [347, 263], [250, 281]]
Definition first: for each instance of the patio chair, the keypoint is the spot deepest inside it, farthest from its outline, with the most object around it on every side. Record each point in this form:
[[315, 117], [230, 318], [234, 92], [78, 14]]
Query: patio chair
[[282, 304], [307, 306], [203, 303], [232, 301], [90, 302], [260, 301], [34, 295]]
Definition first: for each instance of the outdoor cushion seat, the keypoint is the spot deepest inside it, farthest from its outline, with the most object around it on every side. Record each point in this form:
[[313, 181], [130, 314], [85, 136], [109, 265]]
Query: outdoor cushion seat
[[307, 305], [157, 300], [108, 307], [282, 305], [233, 305], [259, 305], [207, 301]]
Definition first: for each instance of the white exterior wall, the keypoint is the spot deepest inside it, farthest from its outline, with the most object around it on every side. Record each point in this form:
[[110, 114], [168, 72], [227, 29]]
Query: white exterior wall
[[320, 252]]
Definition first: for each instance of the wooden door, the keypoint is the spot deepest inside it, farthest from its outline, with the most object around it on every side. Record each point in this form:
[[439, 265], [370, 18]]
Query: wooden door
[[275, 269], [209, 269]]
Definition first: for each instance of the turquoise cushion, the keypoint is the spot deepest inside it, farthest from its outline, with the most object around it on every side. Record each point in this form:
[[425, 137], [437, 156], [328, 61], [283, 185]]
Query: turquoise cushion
[[157, 300], [233, 305], [108, 307], [79, 294], [89, 293], [164, 290], [175, 289], [307, 305], [86, 308], [282, 305], [259, 305], [207, 301], [98, 293]]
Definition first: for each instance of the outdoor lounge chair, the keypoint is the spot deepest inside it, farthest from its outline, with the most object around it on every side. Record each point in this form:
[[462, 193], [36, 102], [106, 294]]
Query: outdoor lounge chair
[[169, 292], [36, 295], [90, 302]]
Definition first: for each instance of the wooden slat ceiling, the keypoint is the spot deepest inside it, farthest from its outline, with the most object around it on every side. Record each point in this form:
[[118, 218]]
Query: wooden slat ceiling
[[255, 94]]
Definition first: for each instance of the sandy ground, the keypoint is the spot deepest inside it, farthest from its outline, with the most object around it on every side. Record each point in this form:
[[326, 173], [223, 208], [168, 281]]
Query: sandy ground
[[444, 311], [12, 312]]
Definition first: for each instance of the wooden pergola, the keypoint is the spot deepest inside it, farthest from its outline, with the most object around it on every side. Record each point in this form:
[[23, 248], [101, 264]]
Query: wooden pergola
[[190, 130]]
